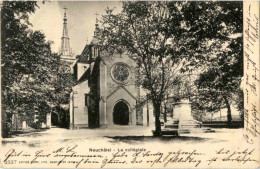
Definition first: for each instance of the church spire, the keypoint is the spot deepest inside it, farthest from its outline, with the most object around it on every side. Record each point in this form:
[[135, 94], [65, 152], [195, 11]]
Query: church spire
[[65, 40], [97, 30]]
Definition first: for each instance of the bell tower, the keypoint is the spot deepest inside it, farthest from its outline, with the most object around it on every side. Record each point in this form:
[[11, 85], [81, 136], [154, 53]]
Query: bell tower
[[65, 51]]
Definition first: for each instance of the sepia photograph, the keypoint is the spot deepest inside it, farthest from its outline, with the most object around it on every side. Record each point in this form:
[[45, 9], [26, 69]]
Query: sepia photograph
[[130, 84]]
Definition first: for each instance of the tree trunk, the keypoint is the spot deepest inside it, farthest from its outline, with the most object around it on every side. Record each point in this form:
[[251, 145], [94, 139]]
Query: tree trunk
[[165, 113], [229, 117], [157, 121], [7, 125]]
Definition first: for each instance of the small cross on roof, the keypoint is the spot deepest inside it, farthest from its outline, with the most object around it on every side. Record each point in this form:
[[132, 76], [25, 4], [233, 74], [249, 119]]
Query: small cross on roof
[[65, 10]]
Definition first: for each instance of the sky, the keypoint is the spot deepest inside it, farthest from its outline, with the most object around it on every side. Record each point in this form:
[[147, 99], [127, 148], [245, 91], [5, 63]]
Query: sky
[[48, 18]]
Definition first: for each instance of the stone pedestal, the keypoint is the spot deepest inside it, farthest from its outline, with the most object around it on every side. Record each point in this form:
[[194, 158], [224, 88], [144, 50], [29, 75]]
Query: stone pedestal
[[182, 110], [48, 120], [24, 125], [43, 125], [182, 114]]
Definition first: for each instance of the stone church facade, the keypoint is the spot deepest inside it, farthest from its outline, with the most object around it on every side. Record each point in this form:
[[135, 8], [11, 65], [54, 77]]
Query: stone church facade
[[106, 92]]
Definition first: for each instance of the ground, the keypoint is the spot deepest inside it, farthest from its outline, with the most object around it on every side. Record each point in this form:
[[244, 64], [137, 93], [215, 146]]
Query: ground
[[126, 147], [124, 134]]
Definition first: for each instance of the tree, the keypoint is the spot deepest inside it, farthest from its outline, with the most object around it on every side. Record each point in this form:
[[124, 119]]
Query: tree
[[143, 30], [217, 28], [14, 33], [29, 68], [15, 62], [206, 36], [62, 87]]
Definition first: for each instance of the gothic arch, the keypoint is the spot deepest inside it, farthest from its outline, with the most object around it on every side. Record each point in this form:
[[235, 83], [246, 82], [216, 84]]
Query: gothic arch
[[122, 113]]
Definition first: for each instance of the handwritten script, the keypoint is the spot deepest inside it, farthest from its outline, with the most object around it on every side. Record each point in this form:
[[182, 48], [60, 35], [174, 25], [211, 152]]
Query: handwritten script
[[251, 75], [107, 157]]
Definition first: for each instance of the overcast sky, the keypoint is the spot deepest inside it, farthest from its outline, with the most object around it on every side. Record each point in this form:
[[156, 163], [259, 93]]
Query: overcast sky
[[81, 21]]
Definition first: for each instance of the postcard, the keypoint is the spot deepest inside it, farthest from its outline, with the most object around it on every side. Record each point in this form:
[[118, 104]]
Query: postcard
[[130, 84]]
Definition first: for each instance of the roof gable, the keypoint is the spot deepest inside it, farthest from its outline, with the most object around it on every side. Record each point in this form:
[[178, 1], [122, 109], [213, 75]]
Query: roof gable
[[121, 87]]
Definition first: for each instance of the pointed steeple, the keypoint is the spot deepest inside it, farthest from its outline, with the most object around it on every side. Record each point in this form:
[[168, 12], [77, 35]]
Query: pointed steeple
[[65, 40]]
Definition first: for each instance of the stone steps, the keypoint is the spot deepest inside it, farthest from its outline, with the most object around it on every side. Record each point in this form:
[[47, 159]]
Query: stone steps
[[170, 128], [173, 128], [170, 132]]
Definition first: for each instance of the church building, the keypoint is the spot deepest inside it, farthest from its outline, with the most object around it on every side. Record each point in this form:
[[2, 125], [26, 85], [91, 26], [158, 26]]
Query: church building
[[106, 92]]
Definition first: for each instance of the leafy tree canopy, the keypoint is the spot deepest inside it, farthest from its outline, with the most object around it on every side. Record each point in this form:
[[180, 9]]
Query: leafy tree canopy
[[29, 68], [203, 36]]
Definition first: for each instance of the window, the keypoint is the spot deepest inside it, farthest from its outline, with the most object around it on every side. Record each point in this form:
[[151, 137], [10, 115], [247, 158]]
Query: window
[[96, 52], [86, 99], [85, 68], [120, 72], [93, 52]]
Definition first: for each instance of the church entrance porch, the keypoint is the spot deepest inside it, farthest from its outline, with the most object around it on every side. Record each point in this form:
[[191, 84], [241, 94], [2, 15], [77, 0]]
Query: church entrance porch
[[121, 113]]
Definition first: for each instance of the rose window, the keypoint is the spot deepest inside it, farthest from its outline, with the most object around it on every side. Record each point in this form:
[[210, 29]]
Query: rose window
[[120, 72]]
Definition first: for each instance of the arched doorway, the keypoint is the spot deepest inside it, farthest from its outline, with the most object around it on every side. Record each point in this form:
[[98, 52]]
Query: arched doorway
[[121, 113]]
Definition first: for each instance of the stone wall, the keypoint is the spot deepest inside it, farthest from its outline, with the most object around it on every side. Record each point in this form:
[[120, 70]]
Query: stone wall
[[79, 112], [111, 91]]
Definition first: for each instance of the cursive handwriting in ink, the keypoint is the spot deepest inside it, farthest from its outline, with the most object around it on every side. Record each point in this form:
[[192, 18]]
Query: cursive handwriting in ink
[[14, 153], [117, 158]]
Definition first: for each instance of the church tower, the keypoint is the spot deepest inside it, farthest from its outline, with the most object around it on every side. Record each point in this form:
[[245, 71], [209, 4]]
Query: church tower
[[65, 51], [97, 29]]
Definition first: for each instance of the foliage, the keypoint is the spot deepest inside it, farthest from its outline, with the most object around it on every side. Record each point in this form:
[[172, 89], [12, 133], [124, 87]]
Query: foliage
[[143, 30], [29, 68], [218, 52], [205, 37]]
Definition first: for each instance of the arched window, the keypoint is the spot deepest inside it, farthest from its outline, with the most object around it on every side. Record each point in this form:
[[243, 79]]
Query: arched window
[[93, 52]]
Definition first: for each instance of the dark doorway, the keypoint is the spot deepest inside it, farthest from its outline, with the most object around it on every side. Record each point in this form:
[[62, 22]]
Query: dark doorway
[[54, 119], [121, 113]]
